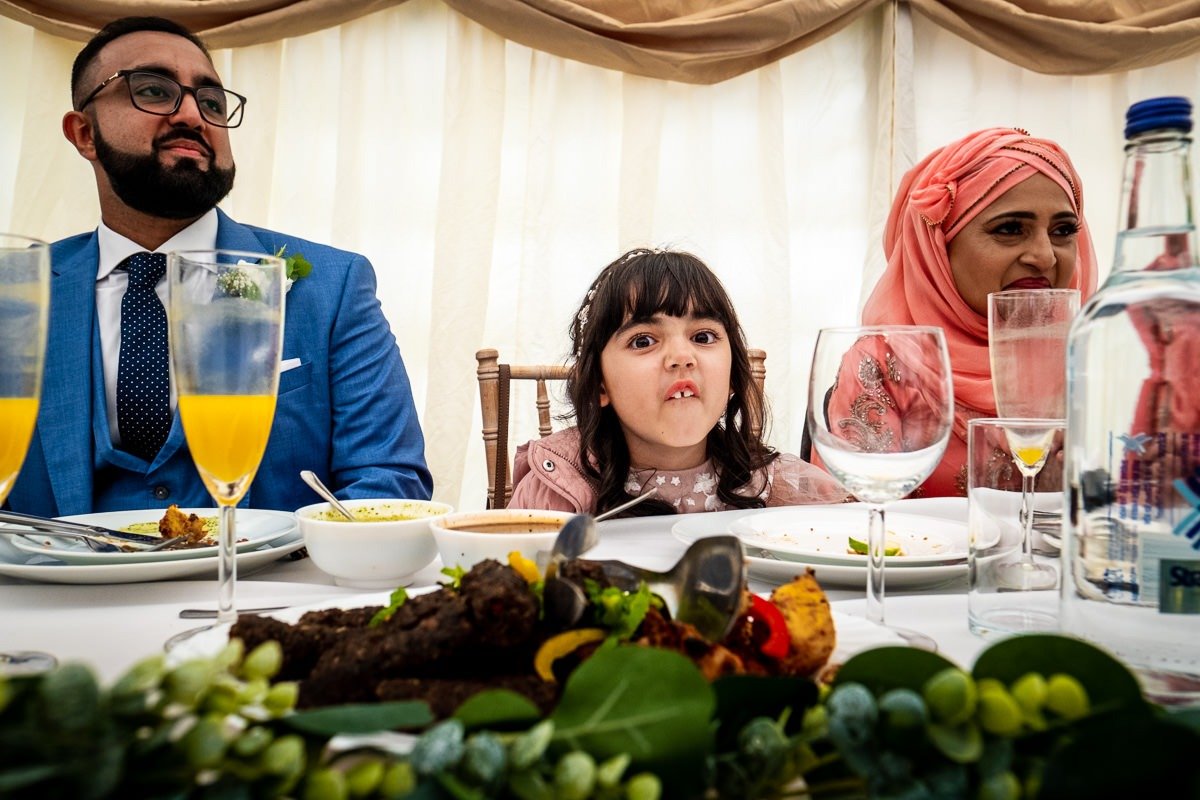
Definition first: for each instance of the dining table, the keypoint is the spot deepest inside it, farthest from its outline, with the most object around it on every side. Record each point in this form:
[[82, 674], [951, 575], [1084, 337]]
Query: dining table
[[111, 626]]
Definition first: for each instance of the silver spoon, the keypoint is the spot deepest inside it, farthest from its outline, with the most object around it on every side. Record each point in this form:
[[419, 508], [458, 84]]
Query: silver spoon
[[314, 483], [704, 588], [579, 534]]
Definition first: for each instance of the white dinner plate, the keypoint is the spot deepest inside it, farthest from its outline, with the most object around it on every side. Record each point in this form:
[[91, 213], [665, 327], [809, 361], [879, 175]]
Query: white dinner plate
[[766, 567], [854, 633], [254, 527], [43, 569], [821, 535]]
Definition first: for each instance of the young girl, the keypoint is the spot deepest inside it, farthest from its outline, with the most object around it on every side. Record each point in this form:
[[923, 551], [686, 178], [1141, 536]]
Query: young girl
[[663, 397]]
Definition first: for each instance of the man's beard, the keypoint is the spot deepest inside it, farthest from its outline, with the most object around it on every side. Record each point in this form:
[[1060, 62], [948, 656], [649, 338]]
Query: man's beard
[[183, 191]]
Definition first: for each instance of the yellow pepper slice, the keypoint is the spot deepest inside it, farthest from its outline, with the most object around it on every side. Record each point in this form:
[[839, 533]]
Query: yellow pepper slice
[[524, 566], [560, 645]]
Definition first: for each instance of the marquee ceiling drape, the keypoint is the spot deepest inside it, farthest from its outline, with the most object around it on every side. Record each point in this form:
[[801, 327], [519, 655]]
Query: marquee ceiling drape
[[695, 41]]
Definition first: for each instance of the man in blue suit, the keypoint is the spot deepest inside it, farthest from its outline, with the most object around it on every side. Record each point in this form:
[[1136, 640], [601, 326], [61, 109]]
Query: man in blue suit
[[151, 115]]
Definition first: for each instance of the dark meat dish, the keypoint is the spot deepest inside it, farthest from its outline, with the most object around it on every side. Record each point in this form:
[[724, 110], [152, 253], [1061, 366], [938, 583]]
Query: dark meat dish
[[445, 646], [491, 621]]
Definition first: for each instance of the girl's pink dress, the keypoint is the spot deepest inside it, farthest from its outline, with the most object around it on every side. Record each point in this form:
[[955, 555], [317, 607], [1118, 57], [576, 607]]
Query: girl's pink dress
[[547, 474]]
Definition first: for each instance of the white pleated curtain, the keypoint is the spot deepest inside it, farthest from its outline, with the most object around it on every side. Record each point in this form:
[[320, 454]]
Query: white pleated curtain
[[489, 183]]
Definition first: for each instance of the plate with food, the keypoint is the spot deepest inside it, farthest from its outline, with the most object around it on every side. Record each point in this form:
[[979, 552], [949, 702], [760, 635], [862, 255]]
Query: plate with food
[[347, 651], [767, 566], [197, 526], [44, 569], [838, 535]]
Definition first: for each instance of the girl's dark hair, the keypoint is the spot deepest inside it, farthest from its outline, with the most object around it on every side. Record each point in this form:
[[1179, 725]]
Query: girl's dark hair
[[639, 285]]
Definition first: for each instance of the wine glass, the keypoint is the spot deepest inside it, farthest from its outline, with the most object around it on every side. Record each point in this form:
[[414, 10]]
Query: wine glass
[[24, 312], [226, 325], [881, 406], [1027, 343]]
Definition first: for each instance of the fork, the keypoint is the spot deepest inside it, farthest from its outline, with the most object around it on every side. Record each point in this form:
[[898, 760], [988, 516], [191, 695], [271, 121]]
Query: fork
[[101, 545]]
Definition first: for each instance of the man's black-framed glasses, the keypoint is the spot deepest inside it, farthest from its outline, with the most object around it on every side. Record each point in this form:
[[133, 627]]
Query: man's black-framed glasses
[[157, 94]]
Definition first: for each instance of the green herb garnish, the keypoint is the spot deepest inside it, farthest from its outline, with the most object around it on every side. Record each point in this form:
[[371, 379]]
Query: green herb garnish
[[619, 611], [861, 547], [398, 598], [455, 574]]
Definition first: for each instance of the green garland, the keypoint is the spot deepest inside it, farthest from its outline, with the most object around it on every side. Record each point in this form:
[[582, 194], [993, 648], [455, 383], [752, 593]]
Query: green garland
[[1039, 716]]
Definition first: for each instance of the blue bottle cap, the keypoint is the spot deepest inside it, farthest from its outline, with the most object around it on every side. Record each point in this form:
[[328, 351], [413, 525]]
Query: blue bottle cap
[[1158, 112]]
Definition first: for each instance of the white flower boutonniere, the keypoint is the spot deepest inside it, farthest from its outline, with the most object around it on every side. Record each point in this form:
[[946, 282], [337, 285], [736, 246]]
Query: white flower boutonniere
[[236, 282]]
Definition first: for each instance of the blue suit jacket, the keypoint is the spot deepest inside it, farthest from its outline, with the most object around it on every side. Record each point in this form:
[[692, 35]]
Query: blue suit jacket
[[346, 412]]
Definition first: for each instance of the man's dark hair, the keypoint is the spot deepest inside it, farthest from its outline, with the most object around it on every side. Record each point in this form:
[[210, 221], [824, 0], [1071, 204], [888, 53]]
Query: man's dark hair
[[115, 30]]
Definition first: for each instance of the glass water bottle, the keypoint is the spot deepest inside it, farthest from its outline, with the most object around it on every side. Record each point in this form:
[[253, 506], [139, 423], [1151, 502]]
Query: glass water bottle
[[1132, 532]]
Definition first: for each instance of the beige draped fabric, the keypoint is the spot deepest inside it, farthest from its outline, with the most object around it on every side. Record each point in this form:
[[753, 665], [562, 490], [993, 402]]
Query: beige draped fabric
[[696, 41], [221, 23], [488, 182]]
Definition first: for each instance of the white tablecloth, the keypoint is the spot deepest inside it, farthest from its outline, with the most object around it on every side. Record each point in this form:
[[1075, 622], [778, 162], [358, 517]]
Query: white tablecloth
[[113, 626]]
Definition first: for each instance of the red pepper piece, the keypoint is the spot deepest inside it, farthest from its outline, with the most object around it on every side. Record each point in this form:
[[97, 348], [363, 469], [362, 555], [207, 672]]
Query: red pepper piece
[[778, 642]]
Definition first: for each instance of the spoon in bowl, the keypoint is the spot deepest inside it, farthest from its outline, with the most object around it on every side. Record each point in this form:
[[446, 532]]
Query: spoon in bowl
[[314, 483], [579, 534]]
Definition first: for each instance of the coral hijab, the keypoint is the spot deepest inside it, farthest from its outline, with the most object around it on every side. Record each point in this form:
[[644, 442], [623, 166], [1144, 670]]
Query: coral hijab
[[935, 200]]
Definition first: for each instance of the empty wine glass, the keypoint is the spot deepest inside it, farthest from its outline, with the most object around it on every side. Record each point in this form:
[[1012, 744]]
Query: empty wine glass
[[1027, 343], [226, 318], [881, 406], [24, 311]]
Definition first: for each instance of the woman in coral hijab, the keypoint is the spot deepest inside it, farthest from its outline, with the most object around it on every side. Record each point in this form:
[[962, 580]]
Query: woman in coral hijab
[[997, 209]]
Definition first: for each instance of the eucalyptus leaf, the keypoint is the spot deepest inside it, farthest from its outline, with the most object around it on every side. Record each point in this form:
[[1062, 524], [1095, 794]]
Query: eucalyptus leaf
[[71, 697], [21, 777], [497, 708], [887, 668], [652, 704], [1108, 682], [360, 718], [741, 698], [962, 743]]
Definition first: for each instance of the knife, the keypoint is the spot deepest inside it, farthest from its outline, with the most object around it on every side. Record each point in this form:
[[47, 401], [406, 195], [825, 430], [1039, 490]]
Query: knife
[[50, 525]]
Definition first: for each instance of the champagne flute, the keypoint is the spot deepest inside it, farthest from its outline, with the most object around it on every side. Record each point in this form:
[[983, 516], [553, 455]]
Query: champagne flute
[[226, 324], [897, 374], [1027, 344], [24, 313]]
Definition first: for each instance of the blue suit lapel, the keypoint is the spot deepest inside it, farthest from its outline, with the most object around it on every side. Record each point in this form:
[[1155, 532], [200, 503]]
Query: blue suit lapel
[[64, 424], [232, 236]]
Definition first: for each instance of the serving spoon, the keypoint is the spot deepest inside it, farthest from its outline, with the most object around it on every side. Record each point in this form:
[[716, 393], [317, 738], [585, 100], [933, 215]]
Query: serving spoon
[[314, 483], [580, 534], [704, 588]]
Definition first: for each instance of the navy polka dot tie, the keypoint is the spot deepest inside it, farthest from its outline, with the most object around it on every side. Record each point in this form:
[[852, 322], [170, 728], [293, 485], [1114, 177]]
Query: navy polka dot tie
[[143, 385]]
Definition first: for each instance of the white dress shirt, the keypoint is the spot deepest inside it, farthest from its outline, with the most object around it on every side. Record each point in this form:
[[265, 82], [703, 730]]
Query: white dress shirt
[[110, 290]]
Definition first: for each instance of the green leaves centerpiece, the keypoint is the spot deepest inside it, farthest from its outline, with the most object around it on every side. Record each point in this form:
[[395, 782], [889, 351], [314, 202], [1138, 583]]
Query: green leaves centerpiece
[[1039, 716]]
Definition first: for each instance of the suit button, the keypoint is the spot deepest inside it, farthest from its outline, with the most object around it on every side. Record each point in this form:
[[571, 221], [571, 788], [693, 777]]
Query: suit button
[[161, 492]]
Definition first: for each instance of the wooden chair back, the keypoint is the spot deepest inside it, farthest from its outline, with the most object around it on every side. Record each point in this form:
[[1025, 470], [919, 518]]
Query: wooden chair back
[[494, 391]]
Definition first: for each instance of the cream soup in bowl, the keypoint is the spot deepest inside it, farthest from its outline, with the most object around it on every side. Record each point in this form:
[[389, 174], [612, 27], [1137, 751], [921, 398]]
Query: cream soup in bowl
[[388, 540], [467, 537]]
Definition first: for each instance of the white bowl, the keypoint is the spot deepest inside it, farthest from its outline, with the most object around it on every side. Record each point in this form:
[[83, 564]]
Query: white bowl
[[371, 554], [463, 539]]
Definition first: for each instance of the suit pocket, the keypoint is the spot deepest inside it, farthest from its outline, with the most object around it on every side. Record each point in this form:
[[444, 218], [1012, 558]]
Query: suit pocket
[[295, 378]]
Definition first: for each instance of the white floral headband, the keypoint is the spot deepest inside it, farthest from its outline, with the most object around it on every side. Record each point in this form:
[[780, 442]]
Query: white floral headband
[[582, 317]]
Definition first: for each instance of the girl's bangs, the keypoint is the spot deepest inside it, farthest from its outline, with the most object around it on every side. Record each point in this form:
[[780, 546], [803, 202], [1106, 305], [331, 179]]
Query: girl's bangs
[[674, 289]]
